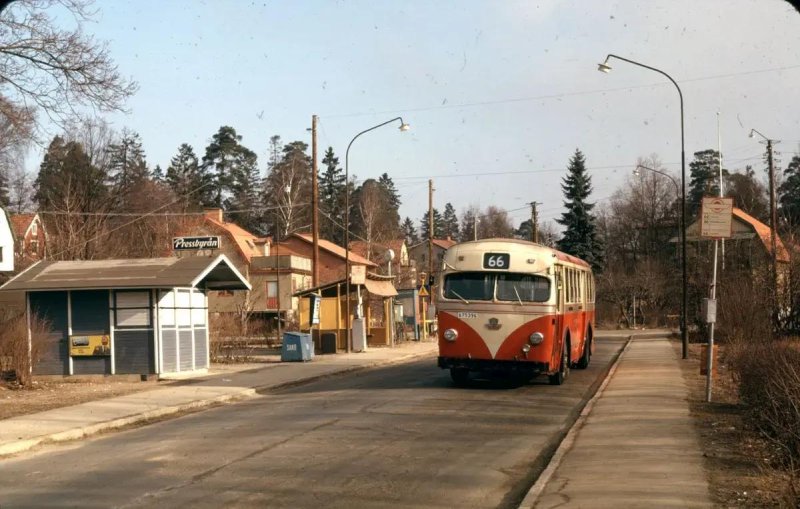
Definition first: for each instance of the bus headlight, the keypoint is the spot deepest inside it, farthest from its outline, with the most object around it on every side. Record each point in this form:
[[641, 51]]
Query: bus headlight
[[450, 334], [536, 338]]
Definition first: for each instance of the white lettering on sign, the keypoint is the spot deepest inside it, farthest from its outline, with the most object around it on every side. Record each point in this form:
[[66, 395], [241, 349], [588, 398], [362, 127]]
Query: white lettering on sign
[[291, 348], [183, 243]]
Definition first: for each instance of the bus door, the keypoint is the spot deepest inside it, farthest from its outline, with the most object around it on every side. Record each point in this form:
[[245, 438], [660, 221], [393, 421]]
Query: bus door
[[561, 308]]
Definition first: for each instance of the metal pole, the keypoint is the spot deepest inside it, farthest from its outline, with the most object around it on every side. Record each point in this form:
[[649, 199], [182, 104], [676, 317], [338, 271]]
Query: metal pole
[[314, 204], [710, 352], [534, 223], [347, 221], [685, 277]]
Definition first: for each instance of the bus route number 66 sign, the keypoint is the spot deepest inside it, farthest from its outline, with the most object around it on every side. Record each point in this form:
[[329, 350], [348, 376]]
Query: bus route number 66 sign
[[715, 217]]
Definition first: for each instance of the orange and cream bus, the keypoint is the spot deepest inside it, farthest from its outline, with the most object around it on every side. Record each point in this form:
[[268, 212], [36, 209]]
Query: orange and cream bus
[[514, 306]]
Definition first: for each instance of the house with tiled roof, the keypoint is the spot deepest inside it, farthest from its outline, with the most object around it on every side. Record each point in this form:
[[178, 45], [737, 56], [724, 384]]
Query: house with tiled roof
[[401, 267], [332, 257], [31, 238], [419, 254], [274, 277]]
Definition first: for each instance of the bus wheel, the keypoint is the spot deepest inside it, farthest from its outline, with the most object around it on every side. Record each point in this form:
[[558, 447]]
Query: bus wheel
[[583, 363], [460, 376], [563, 370]]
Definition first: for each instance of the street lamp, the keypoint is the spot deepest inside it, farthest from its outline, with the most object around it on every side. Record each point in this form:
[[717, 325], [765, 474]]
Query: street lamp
[[604, 67], [403, 127]]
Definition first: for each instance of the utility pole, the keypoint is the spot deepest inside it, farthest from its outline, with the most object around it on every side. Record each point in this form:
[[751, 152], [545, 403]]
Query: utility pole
[[773, 233], [314, 204], [430, 247], [430, 228], [534, 223], [475, 229]]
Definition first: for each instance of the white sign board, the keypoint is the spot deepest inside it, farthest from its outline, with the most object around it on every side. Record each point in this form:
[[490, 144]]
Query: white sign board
[[716, 215], [358, 274]]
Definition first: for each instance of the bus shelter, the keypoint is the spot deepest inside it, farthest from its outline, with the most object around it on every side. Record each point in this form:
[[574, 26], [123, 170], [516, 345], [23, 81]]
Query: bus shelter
[[370, 307], [107, 317]]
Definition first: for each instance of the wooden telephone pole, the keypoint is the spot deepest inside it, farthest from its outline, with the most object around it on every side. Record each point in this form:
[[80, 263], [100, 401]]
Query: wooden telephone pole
[[314, 205], [534, 223]]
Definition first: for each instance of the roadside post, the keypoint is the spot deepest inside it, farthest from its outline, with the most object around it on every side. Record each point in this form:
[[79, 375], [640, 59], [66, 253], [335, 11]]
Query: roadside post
[[715, 222]]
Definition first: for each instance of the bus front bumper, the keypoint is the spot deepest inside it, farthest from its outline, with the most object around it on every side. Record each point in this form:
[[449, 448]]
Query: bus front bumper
[[530, 367]]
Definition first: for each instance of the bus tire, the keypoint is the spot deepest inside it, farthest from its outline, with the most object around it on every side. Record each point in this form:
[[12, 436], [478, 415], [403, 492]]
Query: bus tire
[[460, 376], [586, 357], [561, 375]]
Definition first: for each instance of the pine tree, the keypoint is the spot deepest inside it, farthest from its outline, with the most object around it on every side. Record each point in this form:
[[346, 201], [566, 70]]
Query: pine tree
[[449, 222], [223, 157], [789, 193], [331, 199], [409, 232], [157, 174], [525, 230], [438, 226], [704, 175], [580, 237]]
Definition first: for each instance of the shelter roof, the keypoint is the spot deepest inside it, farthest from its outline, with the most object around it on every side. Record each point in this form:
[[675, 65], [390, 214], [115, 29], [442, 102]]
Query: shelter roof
[[191, 271]]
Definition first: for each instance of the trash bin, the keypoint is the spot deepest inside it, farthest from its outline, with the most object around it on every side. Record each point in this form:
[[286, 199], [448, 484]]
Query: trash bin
[[297, 346], [328, 342]]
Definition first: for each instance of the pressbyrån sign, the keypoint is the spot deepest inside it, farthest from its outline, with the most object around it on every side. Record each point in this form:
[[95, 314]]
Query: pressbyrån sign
[[187, 243]]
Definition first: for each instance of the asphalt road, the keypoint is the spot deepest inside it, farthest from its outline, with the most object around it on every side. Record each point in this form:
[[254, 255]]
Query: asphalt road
[[399, 436]]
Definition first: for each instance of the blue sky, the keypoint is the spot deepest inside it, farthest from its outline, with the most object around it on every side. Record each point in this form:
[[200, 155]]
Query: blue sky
[[488, 86]]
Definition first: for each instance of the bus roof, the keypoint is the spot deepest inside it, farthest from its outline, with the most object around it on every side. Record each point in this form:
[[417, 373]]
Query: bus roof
[[564, 257]]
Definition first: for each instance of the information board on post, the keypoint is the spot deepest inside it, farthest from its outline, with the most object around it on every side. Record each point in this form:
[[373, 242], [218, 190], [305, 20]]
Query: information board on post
[[716, 216], [358, 274]]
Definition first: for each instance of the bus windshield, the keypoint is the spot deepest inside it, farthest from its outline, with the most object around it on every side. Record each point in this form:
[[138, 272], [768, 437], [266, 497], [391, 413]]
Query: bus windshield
[[508, 287]]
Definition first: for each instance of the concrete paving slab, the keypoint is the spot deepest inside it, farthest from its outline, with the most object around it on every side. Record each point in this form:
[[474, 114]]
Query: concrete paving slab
[[637, 447]]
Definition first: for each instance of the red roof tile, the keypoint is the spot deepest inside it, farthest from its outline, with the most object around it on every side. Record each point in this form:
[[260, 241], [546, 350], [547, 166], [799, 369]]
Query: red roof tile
[[336, 250], [765, 234]]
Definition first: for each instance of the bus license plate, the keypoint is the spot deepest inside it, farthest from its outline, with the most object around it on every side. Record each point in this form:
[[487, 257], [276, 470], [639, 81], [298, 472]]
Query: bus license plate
[[467, 315]]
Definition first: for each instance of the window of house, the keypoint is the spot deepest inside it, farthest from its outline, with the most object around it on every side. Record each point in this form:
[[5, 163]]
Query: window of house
[[34, 228]]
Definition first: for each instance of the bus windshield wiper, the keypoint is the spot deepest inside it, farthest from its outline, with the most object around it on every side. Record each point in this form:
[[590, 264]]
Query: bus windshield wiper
[[518, 297], [465, 301]]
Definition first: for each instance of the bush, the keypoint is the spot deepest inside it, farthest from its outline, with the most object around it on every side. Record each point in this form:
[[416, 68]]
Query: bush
[[768, 373], [16, 361], [229, 340]]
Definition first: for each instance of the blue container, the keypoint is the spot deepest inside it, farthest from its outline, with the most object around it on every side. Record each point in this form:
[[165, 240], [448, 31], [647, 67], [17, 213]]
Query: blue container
[[297, 347]]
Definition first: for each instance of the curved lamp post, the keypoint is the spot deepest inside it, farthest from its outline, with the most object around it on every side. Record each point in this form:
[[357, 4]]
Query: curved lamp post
[[403, 127], [604, 67]]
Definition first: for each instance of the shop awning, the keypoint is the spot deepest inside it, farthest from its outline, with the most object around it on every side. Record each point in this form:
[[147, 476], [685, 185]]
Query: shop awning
[[381, 288]]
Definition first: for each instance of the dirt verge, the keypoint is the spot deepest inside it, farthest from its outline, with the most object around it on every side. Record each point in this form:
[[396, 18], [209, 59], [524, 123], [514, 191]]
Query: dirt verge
[[739, 462]]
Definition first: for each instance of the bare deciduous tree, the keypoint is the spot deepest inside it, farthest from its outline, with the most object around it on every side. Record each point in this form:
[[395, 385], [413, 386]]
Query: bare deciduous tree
[[54, 70]]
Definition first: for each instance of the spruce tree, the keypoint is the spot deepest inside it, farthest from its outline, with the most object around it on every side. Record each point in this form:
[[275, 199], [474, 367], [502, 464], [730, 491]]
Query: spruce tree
[[409, 231], [449, 222], [469, 220], [187, 180], [127, 165], [331, 198], [394, 197], [580, 237], [245, 187], [157, 174], [438, 225]]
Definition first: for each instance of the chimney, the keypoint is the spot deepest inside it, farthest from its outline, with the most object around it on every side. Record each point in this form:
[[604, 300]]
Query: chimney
[[215, 214]]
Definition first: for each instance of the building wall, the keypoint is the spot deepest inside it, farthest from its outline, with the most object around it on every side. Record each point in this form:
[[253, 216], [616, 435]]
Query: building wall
[[32, 246], [331, 267], [6, 244]]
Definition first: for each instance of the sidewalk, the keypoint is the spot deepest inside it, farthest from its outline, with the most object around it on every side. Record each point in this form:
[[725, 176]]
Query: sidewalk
[[68, 423], [634, 445]]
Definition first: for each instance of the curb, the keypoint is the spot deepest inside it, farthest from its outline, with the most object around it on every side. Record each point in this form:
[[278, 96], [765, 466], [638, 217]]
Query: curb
[[569, 439], [19, 446]]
